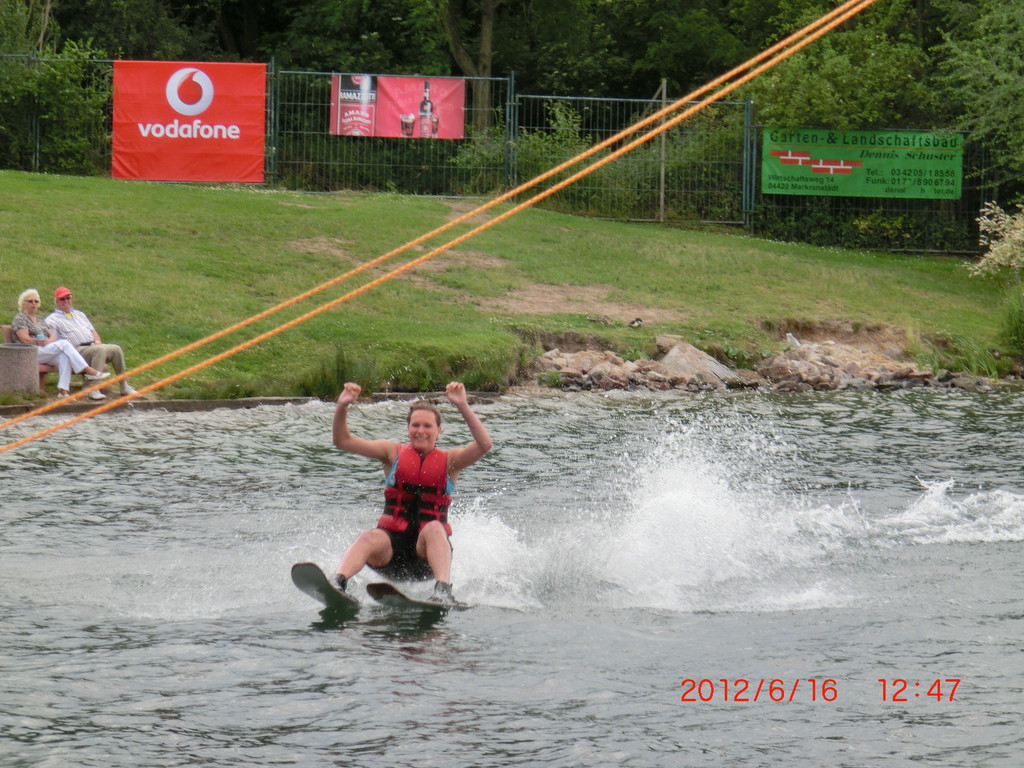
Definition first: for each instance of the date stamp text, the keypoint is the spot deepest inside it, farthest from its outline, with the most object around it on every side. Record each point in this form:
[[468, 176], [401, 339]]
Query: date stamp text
[[804, 689]]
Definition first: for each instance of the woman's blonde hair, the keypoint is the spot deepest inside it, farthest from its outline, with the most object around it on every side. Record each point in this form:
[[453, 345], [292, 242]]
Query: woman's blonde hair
[[423, 405], [28, 293]]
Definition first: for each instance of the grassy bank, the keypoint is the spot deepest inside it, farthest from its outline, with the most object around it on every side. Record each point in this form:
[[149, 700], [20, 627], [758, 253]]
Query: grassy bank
[[157, 266]]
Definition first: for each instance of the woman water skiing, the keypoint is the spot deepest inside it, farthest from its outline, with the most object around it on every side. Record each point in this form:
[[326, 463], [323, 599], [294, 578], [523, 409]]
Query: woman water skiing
[[411, 538]]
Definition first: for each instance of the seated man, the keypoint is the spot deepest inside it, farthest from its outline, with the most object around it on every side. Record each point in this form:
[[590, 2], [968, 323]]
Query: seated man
[[74, 325]]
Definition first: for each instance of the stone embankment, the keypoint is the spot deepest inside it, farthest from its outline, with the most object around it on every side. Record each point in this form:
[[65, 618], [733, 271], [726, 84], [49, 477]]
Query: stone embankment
[[801, 367]]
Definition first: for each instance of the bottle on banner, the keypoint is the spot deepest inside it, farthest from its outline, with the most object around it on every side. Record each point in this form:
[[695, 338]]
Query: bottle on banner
[[427, 118]]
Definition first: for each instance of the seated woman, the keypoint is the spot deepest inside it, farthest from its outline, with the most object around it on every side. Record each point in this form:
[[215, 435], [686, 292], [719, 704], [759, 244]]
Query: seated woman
[[28, 328]]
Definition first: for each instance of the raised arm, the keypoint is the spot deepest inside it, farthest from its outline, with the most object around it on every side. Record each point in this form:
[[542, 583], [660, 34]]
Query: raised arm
[[460, 458], [382, 450]]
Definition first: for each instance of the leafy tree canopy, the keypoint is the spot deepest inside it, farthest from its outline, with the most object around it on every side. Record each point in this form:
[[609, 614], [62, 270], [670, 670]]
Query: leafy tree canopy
[[900, 63], [983, 76], [868, 73], [25, 27]]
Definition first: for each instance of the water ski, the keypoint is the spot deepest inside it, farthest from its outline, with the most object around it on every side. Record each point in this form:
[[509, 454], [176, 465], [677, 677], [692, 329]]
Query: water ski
[[310, 579], [388, 594]]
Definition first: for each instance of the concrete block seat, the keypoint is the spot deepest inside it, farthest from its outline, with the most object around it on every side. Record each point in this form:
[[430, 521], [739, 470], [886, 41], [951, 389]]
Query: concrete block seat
[[44, 369]]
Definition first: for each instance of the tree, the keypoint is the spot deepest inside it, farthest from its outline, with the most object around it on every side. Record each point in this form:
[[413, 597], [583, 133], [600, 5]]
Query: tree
[[553, 46], [685, 42], [166, 29], [983, 78], [476, 61], [872, 72], [379, 36], [26, 26], [141, 29]]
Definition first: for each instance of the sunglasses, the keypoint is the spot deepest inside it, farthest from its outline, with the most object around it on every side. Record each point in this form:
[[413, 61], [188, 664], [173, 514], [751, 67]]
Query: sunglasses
[[31, 301], [65, 298]]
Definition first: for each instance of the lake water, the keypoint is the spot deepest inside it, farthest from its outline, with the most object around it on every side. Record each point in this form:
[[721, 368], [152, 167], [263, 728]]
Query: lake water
[[614, 547]]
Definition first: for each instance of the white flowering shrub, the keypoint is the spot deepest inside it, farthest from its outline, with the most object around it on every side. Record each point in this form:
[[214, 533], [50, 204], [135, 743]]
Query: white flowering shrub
[[1002, 235]]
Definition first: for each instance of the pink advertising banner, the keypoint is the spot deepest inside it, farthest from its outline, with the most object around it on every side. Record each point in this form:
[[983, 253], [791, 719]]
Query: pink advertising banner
[[398, 107]]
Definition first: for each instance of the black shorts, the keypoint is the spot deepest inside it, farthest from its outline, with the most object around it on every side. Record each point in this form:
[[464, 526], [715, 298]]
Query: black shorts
[[405, 564]]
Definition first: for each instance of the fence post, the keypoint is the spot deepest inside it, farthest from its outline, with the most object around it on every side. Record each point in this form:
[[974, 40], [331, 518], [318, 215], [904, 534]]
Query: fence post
[[34, 126], [511, 133], [750, 163], [272, 126], [664, 154]]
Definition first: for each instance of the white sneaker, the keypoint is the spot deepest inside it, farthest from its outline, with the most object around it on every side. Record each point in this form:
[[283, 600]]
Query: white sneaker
[[442, 594], [97, 395], [127, 389], [95, 376]]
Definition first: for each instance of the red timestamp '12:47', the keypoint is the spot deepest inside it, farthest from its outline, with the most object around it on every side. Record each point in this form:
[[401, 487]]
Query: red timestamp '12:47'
[[908, 690]]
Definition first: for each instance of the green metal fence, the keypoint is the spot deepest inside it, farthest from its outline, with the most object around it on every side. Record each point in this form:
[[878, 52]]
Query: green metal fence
[[55, 117], [55, 114], [302, 154], [695, 171]]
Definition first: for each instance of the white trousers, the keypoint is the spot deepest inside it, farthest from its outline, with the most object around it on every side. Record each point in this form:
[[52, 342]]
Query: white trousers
[[62, 354]]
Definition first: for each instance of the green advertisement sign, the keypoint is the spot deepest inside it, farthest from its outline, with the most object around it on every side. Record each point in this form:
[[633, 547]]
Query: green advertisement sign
[[911, 164]]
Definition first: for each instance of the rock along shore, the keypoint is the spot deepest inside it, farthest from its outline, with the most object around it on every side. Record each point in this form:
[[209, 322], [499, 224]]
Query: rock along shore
[[801, 367]]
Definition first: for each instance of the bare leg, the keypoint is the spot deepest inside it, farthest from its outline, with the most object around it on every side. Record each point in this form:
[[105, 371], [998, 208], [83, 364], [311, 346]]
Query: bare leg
[[371, 547], [434, 547]]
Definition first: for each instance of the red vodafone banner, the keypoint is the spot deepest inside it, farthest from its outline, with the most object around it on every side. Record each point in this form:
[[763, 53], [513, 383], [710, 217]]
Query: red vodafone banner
[[398, 107], [180, 121]]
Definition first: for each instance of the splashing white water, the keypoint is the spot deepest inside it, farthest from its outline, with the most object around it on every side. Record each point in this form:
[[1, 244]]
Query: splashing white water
[[706, 516], [938, 517], [687, 523], [713, 528]]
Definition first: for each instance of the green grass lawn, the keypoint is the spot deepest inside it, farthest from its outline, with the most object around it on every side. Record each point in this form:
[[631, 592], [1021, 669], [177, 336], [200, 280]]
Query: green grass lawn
[[157, 266]]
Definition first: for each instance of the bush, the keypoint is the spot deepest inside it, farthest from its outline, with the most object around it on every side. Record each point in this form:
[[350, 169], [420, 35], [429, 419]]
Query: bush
[[1002, 235], [481, 158], [960, 354], [413, 367], [896, 225], [55, 112], [700, 159], [1013, 321]]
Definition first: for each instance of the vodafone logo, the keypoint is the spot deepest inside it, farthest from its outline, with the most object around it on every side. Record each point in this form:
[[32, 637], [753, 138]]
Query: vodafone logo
[[189, 91]]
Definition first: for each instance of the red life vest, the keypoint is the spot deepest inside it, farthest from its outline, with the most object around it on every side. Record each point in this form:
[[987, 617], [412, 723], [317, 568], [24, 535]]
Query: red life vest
[[417, 491]]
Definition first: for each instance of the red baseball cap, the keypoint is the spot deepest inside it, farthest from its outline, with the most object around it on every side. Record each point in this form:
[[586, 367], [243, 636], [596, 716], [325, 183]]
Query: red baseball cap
[[61, 292]]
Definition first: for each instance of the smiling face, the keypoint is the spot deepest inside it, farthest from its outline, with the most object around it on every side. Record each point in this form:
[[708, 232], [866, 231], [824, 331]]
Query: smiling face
[[424, 429]]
